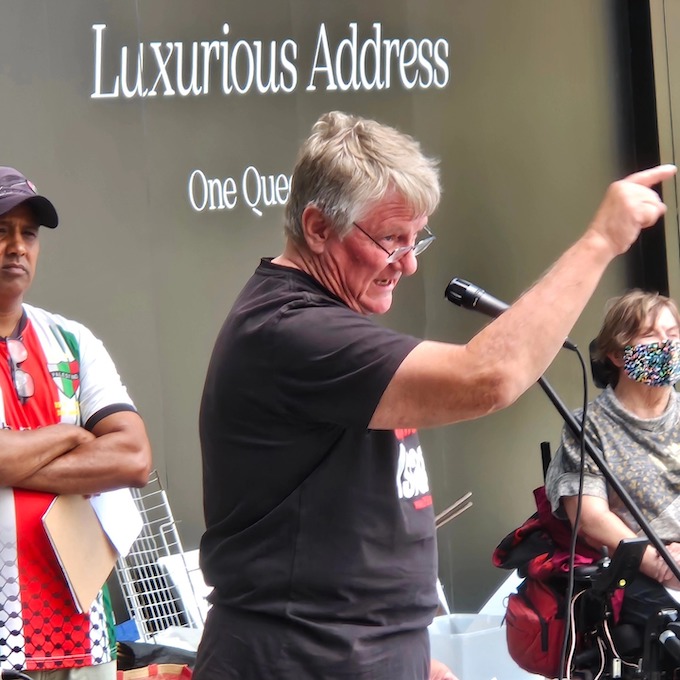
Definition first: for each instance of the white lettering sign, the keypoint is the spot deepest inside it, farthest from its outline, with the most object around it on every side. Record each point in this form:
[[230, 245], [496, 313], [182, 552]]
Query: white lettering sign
[[176, 69], [257, 190]]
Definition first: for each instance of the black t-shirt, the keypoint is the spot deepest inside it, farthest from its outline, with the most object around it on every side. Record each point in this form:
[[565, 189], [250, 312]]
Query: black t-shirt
[[314, 523]]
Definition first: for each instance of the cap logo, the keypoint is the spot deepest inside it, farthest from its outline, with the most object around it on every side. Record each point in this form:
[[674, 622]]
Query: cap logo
[[32, 186], [13, 188]]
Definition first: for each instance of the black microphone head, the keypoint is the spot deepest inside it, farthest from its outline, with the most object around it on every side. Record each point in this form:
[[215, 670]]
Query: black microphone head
[[467, 295], [463, 293]]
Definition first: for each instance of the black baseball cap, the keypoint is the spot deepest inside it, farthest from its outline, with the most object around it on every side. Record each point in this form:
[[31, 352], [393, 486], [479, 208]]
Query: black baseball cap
[[16, 189]]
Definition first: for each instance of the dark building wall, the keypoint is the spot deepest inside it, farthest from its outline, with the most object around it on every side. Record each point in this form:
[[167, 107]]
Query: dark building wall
[[528, 106]]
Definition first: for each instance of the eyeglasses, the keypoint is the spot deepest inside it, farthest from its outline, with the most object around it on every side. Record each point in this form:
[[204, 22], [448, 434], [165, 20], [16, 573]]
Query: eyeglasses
[[398, 253], [23, 382]]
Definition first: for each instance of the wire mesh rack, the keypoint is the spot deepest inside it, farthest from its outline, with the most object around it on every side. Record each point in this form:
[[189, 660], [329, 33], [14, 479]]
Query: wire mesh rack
[[160, 583]]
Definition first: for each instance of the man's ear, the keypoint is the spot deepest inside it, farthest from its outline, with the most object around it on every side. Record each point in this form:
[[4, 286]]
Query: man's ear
[[316, 229]]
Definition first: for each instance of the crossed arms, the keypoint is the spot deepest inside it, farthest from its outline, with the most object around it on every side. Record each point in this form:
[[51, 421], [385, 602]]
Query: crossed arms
[[68, 459]]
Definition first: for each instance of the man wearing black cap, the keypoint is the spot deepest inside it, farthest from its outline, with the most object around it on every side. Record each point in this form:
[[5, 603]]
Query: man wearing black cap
[[67, 426]]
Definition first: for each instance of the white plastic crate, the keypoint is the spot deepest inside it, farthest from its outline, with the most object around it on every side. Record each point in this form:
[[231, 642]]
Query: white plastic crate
[[473, 646]]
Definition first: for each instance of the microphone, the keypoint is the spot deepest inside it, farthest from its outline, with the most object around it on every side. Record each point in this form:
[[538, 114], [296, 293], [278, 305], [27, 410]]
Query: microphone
[[467, 295], [671, 642]]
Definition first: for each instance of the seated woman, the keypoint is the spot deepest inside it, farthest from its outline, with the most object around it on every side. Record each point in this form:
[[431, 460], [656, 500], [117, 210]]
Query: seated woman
[[635, 422]]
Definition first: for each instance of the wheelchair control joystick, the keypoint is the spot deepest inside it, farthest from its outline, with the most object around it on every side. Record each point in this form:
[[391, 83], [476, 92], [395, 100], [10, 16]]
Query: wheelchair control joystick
[[622, 568]]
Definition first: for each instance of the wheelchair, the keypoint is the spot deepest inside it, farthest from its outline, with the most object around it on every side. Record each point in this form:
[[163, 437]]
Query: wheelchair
[[602, 650], [599, 647]]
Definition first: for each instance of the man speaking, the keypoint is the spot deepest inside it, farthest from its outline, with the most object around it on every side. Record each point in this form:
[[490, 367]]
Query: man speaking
[[320, 536]]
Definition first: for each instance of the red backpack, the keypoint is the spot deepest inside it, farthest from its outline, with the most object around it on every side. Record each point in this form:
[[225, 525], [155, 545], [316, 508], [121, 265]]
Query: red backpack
[[535, 626], [535, 616]]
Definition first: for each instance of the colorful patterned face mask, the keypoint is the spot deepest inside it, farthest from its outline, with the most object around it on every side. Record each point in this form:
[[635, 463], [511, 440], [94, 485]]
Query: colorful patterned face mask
[[654, 363]]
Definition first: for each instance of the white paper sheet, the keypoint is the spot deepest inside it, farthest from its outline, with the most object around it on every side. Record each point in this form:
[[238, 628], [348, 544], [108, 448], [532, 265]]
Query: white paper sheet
[[119, 518]]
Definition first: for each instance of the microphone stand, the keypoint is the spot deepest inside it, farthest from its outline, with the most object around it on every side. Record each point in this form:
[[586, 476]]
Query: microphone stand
[[597, 457]]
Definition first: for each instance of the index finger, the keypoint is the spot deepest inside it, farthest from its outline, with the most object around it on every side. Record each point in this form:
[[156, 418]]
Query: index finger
[[653, 176]]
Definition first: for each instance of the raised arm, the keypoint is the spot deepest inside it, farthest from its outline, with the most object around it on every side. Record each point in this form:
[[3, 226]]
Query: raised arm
[[117, 454], [440, 383]]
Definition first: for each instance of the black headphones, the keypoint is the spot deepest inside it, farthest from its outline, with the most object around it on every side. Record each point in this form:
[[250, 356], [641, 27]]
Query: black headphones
[[603, 370]]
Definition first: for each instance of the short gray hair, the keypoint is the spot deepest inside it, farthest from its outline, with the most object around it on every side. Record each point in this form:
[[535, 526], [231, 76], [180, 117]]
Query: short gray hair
[[349, 163]]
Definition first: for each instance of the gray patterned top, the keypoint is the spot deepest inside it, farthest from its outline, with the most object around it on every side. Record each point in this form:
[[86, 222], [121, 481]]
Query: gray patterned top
[[644, 454]]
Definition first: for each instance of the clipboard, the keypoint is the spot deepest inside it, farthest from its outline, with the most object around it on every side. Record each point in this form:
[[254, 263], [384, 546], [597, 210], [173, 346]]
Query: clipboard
[[84, 551]]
